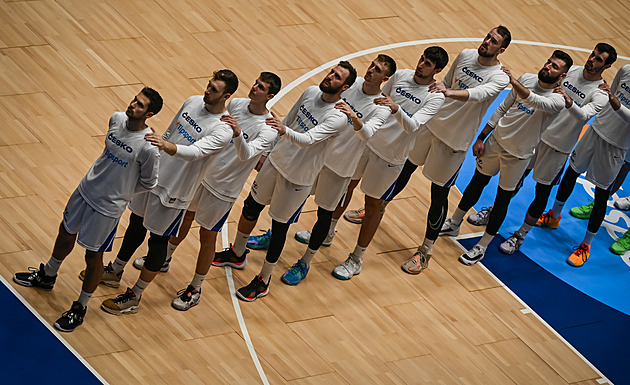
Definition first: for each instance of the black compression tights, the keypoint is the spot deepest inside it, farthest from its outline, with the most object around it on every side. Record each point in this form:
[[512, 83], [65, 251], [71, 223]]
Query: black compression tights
[[537, 207], [473, 191], [276, 243], [134, 236], [320, 228], [437, 211], [403, 177], [499, 210]]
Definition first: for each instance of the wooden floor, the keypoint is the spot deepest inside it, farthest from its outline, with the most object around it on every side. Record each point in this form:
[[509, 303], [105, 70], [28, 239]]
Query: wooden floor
[[66, 65]]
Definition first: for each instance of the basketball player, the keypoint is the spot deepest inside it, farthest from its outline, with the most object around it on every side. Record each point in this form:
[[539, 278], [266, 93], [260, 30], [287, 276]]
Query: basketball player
[[128, 164], [194, 136], [584, 100], [516, 128], [285, 179]]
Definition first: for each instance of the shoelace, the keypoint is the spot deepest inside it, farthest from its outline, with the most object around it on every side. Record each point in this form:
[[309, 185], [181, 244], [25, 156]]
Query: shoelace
[[580, 252], [124, 297]]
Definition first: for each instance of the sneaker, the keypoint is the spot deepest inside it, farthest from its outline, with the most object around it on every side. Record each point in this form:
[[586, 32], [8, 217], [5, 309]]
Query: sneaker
[[124, 303], [228, 257], [355, 216], [622, 244], [304, 236], [257, 288], [296, 273], [450, 228], [259, 242], [35, 278], [418, 262], [473, 255], [481, 218], [512, 244], [582, 212], [110, 278], [349, 268], [580, 255], [622, 203], [138, 263], [186, 298], [72, 318], [548, 220]]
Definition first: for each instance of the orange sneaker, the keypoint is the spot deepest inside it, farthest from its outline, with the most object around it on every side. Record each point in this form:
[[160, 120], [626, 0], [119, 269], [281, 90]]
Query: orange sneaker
[[580, 255], [548, 220]]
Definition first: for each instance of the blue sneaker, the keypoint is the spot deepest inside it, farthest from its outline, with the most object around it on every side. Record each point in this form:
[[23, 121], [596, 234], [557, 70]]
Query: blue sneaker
[[259, 242], [296, 273]]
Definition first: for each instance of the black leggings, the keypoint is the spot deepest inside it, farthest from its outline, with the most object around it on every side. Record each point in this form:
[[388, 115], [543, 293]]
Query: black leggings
[[437, 211], [403, 178], [134, 236], [276, 243], [537, 207], [320, 228]]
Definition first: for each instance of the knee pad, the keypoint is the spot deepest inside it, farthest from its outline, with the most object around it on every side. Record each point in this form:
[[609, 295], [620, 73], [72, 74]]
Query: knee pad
[[251, 209], [157, 252]]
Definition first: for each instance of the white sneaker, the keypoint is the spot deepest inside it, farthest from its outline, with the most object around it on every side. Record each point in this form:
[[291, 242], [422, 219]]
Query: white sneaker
[[450, 228], [349, 268], [512, 244], [481, 218], [138, 263], [304, 236], [473, 255], [186, 298], [623, 203]]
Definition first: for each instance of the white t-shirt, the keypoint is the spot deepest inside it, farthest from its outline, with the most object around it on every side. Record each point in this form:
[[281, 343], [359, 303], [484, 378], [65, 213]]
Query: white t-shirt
[[611, 125], [129, 164], [299, 156], [457, 122], [229, 170], [519, 123]]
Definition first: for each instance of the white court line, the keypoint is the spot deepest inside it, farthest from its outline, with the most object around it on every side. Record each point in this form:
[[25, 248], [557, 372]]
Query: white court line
[[52, 330], [529, 310]]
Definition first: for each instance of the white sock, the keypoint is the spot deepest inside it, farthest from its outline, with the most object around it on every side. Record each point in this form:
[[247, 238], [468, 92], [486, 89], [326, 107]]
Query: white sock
[[118, 265], [359, 251], [139, 287], [458, 216], [308, 255], [84, 298], [240, 243], [524, 229], [51, 268], [267, 269], [429, 244], [485, 240], [588, 237], [170, 249], [333, 224], [197, 281], [557, 208]]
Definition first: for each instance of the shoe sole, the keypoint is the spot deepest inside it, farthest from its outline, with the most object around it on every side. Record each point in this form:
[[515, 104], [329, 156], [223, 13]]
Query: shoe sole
[[64, 330], [579, 216], [139, 266], [184, 309], [306, 242], [404, 268], [344, 278], [468, 262], [131, 310], [254, 247], [450, 233], [357, 221], [264, 293], [476, 223], [231, 264], [28, 284]]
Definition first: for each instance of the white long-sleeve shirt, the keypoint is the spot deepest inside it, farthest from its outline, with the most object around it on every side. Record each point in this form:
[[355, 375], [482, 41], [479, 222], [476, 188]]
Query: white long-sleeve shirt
[[230, 169], [611, 125], [128, 164], [519, 123], [299, 156], [343, 154], [457, 122], [396, 135], [588, 100], [199, 135]]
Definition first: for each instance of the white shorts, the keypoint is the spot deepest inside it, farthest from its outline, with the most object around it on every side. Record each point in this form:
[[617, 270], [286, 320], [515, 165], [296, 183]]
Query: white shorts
[[329, 189], [441, 163], [600, 159], [96, 231], [210, 211], [285, 199], [378, 177], [158, 219], [548, 164], [495, 159]]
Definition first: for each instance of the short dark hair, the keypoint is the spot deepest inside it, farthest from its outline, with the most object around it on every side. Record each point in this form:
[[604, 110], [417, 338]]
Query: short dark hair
[[353, 72], [505, 33], [273, 80], [229, 78], [389, 63], [609, 49], [564, 57], [155, 100], [437, 55]]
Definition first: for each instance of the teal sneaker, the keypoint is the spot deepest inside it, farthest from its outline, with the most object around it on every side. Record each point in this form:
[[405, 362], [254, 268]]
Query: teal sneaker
[[259, 242], [296, 273], [622, 244], [582, 212]]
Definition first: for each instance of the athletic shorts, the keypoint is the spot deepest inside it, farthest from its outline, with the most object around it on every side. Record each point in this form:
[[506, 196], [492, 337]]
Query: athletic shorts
[[285, 199], [548, 164], [599, 159], [158, 219], [441, 163], [378, 177], [96, 231], [210, 211], [495, 159], [329, 189]]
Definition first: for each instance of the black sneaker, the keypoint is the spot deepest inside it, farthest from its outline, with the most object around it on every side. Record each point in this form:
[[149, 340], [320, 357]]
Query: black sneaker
[[35, 278], [72, 318], [228, 257], [257, 288]]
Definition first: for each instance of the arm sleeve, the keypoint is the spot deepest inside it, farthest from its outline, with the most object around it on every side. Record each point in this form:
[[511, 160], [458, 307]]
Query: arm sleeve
[[448, 79], [290, 118], [171, 127], [329, 127], [208, 145], [553, 103], [261, 144], [387, 88], [412, 123], [624, 113], [374, 122], [491, 89], [502, 109], [590, 109], [148, 170]]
